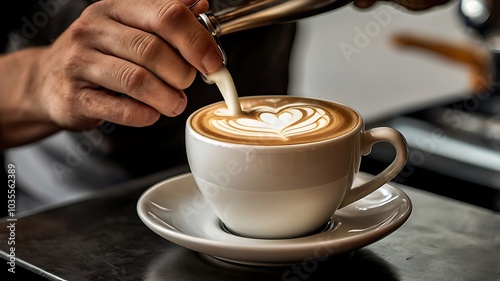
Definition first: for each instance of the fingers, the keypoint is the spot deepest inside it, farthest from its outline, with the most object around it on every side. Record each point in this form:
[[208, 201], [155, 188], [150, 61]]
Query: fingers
[[122, 76], [420, 5], [92, 106], [101, 105], [414, 5], [364, 3], [177, 29], [184, 32], [148, 50], [176, 24]]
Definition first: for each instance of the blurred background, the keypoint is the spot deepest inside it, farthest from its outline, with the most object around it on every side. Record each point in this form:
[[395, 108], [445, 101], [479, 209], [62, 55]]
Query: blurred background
[[381, 79], [431, 75]]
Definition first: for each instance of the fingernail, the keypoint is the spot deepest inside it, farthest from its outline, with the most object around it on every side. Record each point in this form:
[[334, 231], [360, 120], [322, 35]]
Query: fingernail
[[212, 61], [149, 117], [181, 106]]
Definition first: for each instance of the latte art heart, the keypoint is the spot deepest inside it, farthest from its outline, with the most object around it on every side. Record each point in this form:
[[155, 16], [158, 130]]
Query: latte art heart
[[275, 121], [267, 122]]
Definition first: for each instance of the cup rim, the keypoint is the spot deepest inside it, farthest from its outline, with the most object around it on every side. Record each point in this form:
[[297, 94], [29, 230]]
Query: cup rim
[[356, 128]]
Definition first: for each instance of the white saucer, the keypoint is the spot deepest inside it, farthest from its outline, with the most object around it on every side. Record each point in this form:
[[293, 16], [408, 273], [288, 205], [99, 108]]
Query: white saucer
[[176, 210]]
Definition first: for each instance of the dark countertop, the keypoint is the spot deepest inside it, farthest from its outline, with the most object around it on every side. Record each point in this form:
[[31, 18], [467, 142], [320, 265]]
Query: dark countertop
[[102, 238]]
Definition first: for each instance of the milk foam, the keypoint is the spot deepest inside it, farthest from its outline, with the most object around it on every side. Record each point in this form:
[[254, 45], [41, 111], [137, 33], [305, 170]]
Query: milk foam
[[269, 122], [275, 120], [224, 81]]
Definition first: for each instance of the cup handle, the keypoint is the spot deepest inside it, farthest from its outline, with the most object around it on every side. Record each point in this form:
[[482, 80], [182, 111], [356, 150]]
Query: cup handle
[[368, 139]]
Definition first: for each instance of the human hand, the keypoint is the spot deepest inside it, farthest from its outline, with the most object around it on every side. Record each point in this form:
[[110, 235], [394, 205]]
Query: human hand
[[409, 4], [149, 50]]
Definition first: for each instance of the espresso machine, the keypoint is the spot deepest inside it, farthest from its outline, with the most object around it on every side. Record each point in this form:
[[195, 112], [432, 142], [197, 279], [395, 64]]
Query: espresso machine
[[455, 146]]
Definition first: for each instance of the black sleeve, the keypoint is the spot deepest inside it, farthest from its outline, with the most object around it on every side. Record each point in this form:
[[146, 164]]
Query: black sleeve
[[13, 16], [29, 23]]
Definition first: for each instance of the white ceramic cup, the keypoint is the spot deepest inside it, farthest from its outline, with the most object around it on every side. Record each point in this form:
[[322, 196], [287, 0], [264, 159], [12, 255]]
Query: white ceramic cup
[[285, 191]]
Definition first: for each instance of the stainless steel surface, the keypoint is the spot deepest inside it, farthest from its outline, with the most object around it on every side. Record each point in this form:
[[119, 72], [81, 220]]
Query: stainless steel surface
[[102, 238], [259, 13], [205, 20], [267, 12]]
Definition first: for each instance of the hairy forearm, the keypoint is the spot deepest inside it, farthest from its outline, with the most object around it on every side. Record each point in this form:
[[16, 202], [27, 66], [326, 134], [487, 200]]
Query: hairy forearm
[[23, 118]]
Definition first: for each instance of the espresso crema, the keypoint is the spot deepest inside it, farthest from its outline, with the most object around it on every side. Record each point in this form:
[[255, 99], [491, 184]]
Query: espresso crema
[[275, 121]]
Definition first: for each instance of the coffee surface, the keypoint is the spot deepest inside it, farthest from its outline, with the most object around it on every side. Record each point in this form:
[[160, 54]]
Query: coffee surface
[[275, 121]]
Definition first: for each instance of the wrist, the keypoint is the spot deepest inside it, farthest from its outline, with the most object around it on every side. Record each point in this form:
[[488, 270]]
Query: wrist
[[23, 114]]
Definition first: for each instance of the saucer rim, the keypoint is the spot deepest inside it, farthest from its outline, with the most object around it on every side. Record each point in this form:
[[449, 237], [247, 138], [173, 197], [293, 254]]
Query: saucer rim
[[270, 251]]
